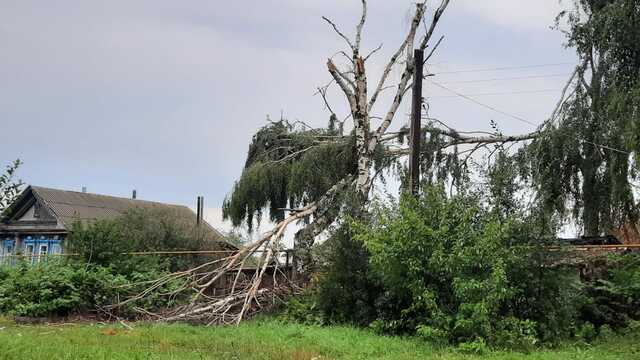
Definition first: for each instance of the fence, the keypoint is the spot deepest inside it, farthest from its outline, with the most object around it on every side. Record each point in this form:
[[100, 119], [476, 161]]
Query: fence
[[284, 257]]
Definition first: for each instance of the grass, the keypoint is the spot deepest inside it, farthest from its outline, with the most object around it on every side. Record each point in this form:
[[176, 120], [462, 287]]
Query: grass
[[264, 339]]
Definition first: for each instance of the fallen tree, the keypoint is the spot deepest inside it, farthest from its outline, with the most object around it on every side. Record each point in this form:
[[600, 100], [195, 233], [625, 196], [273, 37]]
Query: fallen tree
[[315, 176]]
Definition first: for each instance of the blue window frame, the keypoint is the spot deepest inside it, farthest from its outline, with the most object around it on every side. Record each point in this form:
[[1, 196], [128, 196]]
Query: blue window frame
[[7, 247], [39, 246]]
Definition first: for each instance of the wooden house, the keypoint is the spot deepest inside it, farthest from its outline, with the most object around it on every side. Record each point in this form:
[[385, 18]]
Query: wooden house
[[37, 223]]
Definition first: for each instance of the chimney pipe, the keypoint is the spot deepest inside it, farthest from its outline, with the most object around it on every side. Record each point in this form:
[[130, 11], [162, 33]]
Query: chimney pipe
[[134, 195], [198, 207], [201, 208]]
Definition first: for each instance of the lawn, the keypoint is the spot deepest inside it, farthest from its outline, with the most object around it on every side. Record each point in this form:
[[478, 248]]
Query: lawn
[[264, 339]]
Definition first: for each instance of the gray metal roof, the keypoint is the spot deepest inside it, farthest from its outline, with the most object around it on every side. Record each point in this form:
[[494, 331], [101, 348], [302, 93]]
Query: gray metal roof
[[69, 206]]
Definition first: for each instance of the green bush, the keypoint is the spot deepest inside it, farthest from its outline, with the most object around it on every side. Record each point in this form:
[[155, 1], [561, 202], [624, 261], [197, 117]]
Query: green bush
[[450, 268], [106, 242], [60, 288], [55, 288], [514, 333], [477, 347], [347, 290], [613, 297], [303, 309], [587, 332]]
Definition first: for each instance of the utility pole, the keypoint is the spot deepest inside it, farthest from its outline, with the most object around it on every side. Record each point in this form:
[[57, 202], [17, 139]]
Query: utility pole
[[416, 115]]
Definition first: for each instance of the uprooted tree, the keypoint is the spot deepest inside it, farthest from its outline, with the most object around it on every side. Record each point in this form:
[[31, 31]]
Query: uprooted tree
[[315, 176]]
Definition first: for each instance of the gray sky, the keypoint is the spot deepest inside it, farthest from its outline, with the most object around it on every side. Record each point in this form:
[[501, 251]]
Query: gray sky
[[164, 96]]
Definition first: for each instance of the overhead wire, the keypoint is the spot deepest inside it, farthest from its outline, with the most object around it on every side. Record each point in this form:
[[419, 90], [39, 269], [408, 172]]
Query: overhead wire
[[504, 68], [507, 78], [516, 117], [498, 93], [467, 97]]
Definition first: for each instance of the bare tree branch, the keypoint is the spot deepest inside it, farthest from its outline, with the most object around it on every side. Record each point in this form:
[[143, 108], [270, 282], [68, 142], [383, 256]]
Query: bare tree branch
[[458, 139], [373, 52], [335, 27], [323, 93], [359, 28], [407, 41], [434, 22], [333, 70], [408, 72]]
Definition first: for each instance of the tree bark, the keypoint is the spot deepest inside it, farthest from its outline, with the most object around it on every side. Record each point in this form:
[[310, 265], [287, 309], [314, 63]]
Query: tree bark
[[324, 215]]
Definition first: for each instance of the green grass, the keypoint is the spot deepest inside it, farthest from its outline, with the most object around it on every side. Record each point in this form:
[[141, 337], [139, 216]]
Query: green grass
[[265, 339]]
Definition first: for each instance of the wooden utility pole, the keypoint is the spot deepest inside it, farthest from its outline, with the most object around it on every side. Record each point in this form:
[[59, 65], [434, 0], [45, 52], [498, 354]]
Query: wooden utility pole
[[416, 114]]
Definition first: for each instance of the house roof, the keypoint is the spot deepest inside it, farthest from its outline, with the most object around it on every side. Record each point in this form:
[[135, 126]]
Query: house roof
[[69, 206]]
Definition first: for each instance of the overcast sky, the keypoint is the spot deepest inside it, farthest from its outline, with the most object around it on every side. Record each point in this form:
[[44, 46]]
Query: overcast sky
[[164, 96]]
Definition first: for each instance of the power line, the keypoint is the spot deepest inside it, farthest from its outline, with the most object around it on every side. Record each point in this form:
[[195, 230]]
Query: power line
[[498, 93], [508, 78], [518, 117], [484, 105], [504, 68]]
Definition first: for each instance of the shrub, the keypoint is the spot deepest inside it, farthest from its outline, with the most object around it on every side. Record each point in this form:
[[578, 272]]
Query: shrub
[[432, 335], [304, 309], [477, 347], [347, 290], [587, 332], [450, 268], [55, 288], [613, 298], [60, 288], [514, 333], [138, 230]]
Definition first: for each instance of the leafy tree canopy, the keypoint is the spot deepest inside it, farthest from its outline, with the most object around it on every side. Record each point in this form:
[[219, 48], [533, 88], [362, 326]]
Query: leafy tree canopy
[[289, 165], [585, 159]]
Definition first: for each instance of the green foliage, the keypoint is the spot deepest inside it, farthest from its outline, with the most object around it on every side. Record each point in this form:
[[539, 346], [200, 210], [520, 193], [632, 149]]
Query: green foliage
[[613, 298], [58, 288], [477, 347], [453, 269], [287, 166], [303, 309], [431, 334], [55, 288], [437, 164], [514, 333], [583, 160], [587, 332], [9, 187], [347, 290], [105, 242]]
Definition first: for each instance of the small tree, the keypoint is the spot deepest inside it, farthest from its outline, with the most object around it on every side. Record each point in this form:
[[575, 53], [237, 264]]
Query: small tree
[[106, 242], [9, 186]]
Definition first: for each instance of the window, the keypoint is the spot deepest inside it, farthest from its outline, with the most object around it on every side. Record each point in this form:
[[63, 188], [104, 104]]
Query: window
[[44, 250], [37, 209], [29, 251], [56, 249]]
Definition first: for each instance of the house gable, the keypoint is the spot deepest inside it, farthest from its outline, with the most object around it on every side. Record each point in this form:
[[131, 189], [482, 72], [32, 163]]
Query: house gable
[[36, 211], [29, 212]]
